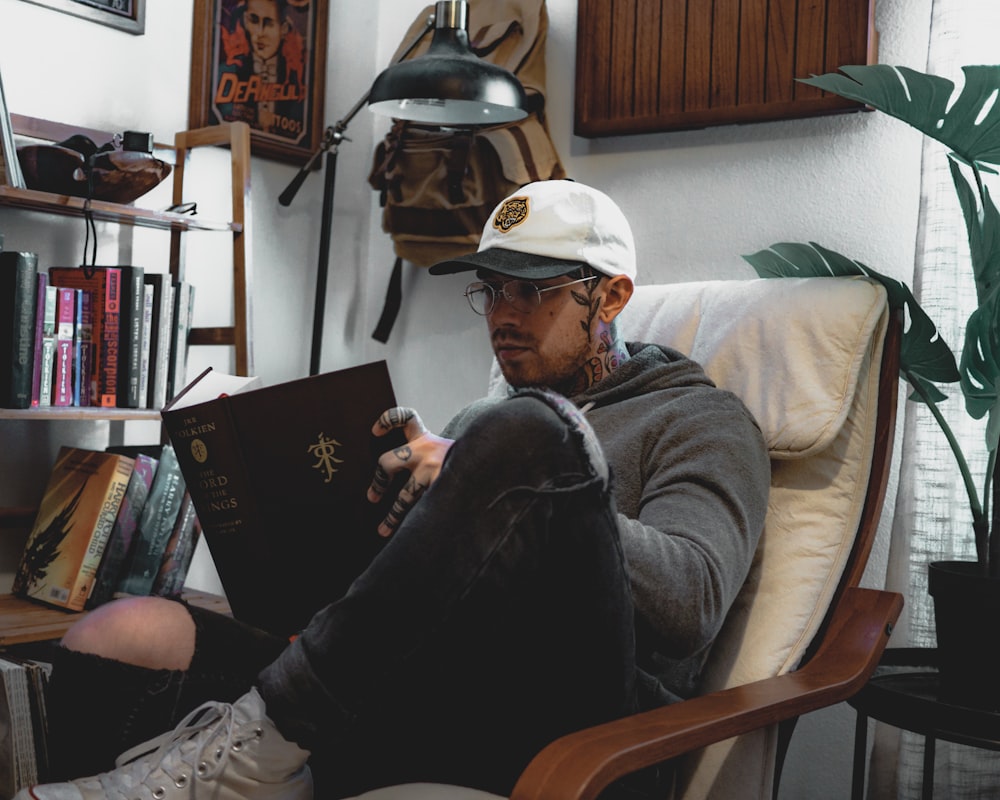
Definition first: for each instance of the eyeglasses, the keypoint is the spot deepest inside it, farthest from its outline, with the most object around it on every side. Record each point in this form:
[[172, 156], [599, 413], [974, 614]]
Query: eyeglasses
[[522, 295]]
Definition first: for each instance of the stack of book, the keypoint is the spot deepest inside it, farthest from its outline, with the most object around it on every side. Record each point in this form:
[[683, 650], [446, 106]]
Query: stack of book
[[114, 337], [114, 522], [23, 723]]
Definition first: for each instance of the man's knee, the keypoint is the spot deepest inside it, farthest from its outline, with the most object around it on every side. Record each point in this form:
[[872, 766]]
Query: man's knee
[[150, 632]]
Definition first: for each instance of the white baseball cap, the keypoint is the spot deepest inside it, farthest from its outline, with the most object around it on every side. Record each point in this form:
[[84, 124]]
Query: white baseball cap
[[550, 228]]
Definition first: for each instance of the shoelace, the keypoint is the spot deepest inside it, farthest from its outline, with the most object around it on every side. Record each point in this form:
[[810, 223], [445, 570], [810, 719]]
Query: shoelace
[[204, 723]]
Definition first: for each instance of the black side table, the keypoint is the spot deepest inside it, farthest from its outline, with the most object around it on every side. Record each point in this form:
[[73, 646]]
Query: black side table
[[903, 692]]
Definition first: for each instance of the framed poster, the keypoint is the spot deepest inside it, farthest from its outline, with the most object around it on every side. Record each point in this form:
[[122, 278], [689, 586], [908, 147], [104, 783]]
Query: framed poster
[[127, 15], [262, 62]]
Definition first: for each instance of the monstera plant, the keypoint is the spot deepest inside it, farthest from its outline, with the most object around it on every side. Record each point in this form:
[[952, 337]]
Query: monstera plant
[[969, 126], [966, 594]]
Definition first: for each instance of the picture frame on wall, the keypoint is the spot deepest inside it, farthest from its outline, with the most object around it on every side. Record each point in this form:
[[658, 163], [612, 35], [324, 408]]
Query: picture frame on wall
[[262, 62], [126, 15]]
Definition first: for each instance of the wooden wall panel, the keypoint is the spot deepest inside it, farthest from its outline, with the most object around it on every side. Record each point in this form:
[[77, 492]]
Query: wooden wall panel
[[657, 65]]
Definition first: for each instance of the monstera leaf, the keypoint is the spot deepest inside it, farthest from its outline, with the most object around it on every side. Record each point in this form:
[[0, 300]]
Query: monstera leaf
[[970, 126], [924, 356]]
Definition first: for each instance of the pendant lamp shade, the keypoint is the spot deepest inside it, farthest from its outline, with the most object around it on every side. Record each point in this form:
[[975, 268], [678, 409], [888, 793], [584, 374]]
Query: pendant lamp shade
[[449, 84]]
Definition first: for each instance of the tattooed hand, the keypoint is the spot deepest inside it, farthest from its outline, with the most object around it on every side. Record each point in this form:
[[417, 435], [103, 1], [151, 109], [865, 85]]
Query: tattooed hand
[[421, 456]]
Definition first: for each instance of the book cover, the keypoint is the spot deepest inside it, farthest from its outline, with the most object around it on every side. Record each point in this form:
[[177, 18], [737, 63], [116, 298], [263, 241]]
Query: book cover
[[156, 523], [279, 477], [147, 325], [85, 348], [130, 341], [159, 351], [18, 288], [48, 346], [105, 283], [183, 312], [179, 551], [75, 518], [36, 358], [119, 547], [62, 380]]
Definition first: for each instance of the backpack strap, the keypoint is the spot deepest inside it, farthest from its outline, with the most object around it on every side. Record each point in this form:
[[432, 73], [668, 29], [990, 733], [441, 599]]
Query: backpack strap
[[393, 302]]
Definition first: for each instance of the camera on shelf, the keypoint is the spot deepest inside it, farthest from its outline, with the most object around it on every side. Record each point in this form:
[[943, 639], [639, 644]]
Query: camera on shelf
[[137, 142]]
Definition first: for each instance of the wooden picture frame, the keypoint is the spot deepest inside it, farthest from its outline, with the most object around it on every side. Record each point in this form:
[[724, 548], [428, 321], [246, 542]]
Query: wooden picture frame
[[285, 109], [126, 15], [646, 66]]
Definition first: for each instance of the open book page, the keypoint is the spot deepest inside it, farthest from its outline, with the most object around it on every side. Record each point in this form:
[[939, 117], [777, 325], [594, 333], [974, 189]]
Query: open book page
[[210, 385]]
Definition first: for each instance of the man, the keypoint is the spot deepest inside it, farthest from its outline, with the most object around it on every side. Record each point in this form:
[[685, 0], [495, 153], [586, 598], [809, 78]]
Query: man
[[553, 563]]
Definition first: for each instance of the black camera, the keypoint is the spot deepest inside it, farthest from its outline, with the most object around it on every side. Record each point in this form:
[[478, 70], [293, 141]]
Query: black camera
[[137, 142]]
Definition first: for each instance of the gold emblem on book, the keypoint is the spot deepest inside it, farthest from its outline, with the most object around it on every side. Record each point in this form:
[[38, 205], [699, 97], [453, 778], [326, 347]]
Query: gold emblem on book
[[199, 451], [324, 450]]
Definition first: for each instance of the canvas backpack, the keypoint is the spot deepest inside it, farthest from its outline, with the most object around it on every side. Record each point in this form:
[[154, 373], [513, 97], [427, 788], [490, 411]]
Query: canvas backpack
[[437, 185]]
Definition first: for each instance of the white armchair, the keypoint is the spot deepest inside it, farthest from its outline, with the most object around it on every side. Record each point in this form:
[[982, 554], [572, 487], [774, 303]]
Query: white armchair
[[816, 360]]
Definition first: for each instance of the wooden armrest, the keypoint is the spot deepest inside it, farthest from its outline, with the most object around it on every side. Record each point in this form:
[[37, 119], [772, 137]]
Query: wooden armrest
[[580, 765]]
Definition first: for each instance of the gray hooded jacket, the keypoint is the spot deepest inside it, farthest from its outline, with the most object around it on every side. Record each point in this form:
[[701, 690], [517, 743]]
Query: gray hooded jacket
[[690, 480]]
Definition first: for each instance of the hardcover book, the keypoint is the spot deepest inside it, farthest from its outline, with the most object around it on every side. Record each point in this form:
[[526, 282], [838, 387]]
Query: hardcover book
[[130, 336], [156, 523], [119, 547], [179, 551], [279, 477], [73, 523], [105, 283], [48, 346], [18, 291], [62, 381], [183, 314], [159, 349], [36, 366]]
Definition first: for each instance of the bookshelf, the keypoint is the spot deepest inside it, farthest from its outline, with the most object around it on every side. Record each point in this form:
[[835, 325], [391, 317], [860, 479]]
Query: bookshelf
[[22, 620]]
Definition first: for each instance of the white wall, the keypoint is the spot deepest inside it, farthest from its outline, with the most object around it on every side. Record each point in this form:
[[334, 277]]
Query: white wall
[[697, 201]]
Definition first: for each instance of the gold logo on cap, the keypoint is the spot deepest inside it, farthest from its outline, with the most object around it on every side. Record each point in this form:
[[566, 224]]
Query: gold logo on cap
[[512, 213]]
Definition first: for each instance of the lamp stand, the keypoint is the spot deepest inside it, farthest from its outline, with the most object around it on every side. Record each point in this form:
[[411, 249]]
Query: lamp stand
[[332, 137]]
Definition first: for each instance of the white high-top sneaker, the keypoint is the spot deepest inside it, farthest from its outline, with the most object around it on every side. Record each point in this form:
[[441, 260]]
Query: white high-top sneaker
[[219, 751]]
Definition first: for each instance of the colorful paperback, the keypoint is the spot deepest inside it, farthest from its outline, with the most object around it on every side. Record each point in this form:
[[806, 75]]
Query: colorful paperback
[[74, 521]]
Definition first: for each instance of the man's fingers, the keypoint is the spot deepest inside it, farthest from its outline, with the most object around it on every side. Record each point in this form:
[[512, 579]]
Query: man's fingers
[[380, 482], [407, 498], [399, 417]]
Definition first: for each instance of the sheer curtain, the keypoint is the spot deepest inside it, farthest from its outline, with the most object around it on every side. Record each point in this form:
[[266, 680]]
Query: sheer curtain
[[931, 520]]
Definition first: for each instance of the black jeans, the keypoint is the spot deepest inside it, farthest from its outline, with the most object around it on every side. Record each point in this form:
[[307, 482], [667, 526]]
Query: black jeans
[[496, 619]]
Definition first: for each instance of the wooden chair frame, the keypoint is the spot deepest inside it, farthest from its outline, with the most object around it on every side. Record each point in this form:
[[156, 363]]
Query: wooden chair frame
[[839, 662]]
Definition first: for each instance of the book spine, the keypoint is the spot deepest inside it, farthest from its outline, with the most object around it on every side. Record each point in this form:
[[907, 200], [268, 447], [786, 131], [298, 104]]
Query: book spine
[[119, 546], [183, 311], [48, 346], [18, 289], [211, 458], [36, 374], [77, 346], [130, 337], [102, 532], [161, 368], [109, 342], [147, 327], [155, 525], [85, 323], [95, 281], [62, 391], [179, 551]]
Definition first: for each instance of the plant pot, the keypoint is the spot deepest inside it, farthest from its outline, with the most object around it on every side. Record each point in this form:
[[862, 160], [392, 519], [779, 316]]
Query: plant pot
[[967, 618]]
